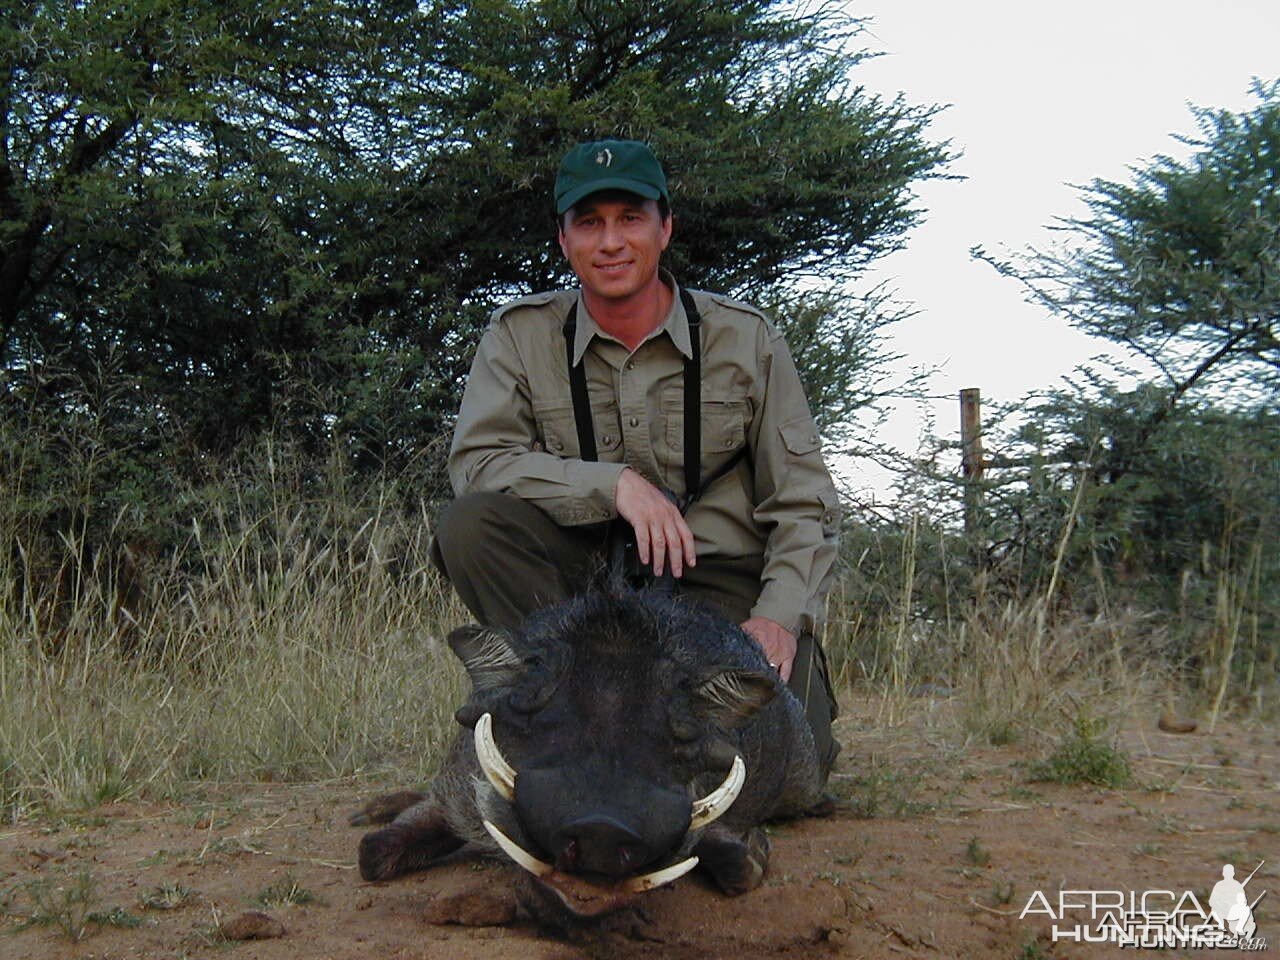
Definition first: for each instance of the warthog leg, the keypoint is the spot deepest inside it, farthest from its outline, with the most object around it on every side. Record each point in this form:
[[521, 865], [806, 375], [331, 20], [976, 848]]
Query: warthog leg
[[419, 836], [735, 862], [385, 808]]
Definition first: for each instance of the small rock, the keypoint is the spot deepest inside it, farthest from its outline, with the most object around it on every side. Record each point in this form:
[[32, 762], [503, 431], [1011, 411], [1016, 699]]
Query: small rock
[[253, 925], [1170, 723], [834, 936]]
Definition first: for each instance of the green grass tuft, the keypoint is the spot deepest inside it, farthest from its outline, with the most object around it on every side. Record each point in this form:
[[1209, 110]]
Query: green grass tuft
[[976, 854], [166, 896], [1085, 757], [67, 904], [285, 892]]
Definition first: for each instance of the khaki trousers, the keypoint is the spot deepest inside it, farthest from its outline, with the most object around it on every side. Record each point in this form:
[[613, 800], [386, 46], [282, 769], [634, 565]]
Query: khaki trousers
[[506, 558]]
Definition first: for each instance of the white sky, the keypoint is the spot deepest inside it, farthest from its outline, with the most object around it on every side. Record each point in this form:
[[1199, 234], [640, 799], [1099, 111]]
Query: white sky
[[1041, 95]]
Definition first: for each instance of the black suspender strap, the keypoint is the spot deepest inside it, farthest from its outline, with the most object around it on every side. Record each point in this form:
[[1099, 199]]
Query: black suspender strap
[[693, 482], [578, 390], [692, 402]]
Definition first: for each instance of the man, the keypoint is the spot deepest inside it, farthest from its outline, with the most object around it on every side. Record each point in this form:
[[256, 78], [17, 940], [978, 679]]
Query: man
[[757, 534]]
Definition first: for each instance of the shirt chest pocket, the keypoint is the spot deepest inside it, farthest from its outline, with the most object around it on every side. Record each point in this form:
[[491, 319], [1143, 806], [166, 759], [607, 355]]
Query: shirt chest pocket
[[724, 429], [557, 429]]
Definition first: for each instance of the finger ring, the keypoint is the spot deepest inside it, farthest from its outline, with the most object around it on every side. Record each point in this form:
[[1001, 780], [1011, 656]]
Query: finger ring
[[774, 665]]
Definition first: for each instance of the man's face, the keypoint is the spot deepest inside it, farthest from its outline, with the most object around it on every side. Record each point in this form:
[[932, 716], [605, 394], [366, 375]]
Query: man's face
[[613, 242]]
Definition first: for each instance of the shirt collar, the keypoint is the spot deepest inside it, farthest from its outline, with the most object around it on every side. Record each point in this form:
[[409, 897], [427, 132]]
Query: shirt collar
[[676, 323]]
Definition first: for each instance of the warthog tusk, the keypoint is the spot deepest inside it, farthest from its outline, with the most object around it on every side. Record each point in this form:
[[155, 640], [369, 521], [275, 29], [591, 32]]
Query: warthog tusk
[[641, 884], [656, 879], [496, 769], [518, 853], [718, 800]]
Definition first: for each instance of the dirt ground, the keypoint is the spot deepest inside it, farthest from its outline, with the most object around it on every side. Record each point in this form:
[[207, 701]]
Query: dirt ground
[[934, 851]]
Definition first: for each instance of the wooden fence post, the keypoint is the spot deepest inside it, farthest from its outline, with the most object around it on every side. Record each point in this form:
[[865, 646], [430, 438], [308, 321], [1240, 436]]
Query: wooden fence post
[[972, 463]]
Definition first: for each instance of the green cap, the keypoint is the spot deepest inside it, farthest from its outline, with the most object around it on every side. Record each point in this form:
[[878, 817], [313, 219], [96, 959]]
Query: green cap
[[609, 165]]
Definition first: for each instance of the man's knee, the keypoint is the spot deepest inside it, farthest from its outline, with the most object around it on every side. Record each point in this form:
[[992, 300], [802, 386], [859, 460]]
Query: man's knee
[[462, 524], [506, 557], [503, 536]]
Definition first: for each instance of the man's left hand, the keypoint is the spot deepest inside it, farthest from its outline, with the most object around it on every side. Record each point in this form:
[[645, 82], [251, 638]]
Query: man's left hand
[[778, 643]]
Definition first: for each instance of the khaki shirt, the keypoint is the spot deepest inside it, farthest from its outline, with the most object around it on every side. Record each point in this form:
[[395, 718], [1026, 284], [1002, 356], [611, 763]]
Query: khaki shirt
[[516, 434]]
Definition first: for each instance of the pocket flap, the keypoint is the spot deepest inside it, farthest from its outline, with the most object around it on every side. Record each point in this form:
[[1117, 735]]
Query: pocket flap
[[800, 436]]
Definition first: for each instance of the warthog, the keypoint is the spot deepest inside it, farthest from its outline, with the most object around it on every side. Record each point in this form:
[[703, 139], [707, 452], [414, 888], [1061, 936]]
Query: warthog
[[620, 739]]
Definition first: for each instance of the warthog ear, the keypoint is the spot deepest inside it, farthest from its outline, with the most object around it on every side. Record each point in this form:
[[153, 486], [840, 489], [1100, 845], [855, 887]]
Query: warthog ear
[[731, 696], [488, 655]]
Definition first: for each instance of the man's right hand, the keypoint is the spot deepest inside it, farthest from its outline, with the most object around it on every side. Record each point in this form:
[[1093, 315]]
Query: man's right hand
[[657, 523]]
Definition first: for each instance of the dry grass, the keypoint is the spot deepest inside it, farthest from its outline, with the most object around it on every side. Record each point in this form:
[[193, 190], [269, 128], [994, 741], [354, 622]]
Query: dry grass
[[1022, 670], [279, 657], [302, 639], [1018, 667]]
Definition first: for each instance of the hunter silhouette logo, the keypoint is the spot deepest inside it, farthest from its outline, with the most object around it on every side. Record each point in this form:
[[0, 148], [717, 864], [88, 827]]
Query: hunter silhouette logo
[[605, 157], [1230, 902]]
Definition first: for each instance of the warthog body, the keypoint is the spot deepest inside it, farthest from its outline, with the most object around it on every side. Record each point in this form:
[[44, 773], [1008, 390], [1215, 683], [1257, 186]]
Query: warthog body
[[614, 713]]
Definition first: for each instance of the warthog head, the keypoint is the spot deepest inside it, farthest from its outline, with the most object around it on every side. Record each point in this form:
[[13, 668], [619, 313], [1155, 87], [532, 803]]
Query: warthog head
[[608, 735]]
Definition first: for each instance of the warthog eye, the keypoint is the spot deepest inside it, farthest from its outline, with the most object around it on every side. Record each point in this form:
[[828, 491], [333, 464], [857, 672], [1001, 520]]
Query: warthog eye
[[685, 729]]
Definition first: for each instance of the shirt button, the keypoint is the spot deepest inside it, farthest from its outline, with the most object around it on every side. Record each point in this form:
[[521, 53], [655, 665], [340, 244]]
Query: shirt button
[[634, 421], [631, 364], [608, 438]]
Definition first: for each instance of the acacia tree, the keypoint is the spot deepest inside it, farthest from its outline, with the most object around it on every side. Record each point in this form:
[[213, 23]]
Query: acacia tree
[[170, 175], [296, 215], [1182, 265], [1171, 486]]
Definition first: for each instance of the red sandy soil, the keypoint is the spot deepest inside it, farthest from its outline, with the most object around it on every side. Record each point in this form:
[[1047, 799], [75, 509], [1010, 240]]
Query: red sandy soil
[[933, 852]]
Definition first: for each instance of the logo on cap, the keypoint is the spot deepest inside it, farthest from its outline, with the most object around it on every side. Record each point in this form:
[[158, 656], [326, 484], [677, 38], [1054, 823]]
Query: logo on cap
[[605, 157]]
